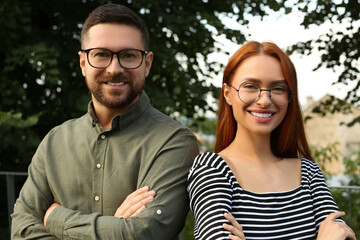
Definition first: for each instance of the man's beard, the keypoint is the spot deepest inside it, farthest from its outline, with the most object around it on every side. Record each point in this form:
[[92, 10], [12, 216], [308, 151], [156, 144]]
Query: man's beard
[[115, 98]]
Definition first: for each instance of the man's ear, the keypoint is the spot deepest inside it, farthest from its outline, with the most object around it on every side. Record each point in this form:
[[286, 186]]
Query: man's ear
[[148, 62], [82, 62], [227, 90]]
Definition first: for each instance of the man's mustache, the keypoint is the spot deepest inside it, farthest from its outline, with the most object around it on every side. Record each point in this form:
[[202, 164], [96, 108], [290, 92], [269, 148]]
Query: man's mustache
[[114, 78]]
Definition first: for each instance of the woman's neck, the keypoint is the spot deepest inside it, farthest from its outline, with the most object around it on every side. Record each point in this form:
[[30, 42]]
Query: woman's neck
[[251, 146], [256, 168]]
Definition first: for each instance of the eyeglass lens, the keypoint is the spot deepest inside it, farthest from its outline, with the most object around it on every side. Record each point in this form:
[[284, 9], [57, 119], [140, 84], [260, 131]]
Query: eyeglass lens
[[250, 92], [128, 58]]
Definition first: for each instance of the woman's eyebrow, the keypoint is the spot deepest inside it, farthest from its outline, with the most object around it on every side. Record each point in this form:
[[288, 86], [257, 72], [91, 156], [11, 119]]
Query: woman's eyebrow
[[279, 81], [249, 79], [259, 81]]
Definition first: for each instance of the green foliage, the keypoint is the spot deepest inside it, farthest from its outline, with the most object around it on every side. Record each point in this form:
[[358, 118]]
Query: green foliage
[[339, 48], [15, 120], [40, 74], [188, 230], [205, 125], [352, 170], [352, 166], [325, 154], [332, 105], [13, 125], [343, 198], [205, 129]]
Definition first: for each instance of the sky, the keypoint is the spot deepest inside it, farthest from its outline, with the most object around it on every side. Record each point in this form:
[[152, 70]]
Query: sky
[[285, 30]]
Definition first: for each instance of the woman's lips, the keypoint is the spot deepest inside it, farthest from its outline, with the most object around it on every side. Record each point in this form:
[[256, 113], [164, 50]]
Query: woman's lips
[[262, 117]]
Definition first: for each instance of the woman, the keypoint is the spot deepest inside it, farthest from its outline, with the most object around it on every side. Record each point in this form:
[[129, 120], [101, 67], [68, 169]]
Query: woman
[[256, 173]]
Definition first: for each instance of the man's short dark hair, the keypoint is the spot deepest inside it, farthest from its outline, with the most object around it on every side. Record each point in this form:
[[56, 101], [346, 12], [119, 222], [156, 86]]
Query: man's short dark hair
[[117, 14]]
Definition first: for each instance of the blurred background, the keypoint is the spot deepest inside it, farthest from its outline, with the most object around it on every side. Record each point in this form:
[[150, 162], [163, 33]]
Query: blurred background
[[42, 86]]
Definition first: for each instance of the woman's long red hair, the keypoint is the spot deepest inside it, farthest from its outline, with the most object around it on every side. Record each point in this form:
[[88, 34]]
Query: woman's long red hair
[[288, 139]]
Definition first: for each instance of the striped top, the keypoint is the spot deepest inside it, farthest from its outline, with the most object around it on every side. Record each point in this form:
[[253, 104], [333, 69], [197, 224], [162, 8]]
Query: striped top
[[294, 214]]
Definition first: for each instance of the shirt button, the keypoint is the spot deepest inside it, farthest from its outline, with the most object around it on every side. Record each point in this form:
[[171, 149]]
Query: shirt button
[[158, 212], [102, 136], [98, 165], [97, 198]]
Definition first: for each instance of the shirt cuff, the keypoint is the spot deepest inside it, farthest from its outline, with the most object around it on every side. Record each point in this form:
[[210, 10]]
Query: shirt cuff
[[55, 223]]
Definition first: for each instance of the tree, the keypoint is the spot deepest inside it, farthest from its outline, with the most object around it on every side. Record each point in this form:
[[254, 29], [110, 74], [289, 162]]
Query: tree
[[338, 48], [40, 77]]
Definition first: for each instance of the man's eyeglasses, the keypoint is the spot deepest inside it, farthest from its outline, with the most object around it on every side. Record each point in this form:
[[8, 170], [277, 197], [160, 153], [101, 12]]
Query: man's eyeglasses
[[250, 92], [128, 58]]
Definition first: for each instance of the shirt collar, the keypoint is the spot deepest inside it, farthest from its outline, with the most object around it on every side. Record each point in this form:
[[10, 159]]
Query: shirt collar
[[123, 120]]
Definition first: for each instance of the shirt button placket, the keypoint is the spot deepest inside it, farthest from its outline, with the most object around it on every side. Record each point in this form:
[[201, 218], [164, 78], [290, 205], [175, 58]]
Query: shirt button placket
[[99, 153]]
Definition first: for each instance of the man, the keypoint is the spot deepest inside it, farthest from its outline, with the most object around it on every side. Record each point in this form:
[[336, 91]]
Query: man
[[119, 171]]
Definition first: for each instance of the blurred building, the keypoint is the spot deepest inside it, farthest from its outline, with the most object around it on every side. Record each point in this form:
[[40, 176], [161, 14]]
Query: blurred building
[[325, 130]]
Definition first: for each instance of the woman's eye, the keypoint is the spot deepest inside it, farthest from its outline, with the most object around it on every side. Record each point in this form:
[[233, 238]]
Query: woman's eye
[[250, 86], [278, 89]]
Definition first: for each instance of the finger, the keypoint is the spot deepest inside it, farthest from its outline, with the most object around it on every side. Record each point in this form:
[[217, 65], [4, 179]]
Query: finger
[[232, 220], [334, 215], [134, 202], [127, 212], [49, 211], [135, 198], [138, 205], [232, 237], [235, 231], [139, 191], [139, 210], [141, 203], [349, 233]]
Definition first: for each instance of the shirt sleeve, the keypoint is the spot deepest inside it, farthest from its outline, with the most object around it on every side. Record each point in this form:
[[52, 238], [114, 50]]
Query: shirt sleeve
[[34, 199], [323, 202], [210, 197], [163, 218]]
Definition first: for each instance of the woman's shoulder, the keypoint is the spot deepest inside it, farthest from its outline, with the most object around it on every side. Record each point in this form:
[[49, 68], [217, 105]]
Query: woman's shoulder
[[309, 165], [211, 168], [210, 160], [310, 170]]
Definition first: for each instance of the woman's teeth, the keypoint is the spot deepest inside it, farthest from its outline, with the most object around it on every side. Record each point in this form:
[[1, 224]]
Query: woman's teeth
[[262, 115]]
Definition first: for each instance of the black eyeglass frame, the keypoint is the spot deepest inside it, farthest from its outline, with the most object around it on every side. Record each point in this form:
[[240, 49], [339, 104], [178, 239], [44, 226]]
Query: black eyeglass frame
[[143, 53], [261, 90]]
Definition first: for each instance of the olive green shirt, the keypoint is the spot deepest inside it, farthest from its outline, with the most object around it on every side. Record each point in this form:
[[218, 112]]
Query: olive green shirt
[[90, 172]]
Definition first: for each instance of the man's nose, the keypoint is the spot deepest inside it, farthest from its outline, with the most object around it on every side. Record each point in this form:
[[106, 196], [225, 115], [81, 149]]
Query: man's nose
[[115, 66]]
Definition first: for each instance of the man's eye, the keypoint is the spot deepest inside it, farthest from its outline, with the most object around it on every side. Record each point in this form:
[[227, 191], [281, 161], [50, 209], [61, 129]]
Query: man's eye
[[128, 55], [101, 55]]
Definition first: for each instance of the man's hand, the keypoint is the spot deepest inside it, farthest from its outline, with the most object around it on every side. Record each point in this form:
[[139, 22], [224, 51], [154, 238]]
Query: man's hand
[[135, 203], [50, 209], [331, 230], [235, 228]]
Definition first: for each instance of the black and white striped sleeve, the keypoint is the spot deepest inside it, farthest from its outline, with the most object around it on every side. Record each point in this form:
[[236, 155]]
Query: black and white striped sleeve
[[323, 201], [210, 195]]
